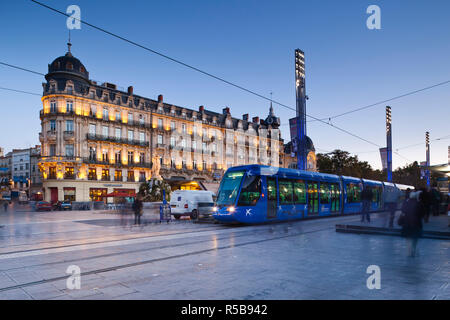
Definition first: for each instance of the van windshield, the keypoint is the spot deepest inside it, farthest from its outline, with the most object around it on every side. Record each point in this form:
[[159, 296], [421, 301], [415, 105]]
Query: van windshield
[[229, 188]]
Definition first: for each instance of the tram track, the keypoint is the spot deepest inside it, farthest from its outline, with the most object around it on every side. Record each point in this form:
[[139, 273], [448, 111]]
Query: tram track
[[119, 238], [92, 241], [154, 260], [241, 234]]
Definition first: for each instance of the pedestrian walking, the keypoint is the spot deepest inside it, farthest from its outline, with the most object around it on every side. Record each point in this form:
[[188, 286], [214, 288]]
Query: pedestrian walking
[[435, 201], [5, 205], [425, 199], [391, 197], [137, 207], [413, 211], [366, 197]]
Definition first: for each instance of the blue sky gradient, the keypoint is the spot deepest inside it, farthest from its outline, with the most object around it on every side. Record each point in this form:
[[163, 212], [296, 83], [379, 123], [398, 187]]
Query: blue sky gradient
[[252, 44]]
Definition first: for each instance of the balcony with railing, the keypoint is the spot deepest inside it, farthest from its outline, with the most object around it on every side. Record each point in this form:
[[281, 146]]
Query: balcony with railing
[[138, 123], [51, 135], [69, 176], [99, 137], [69, 135], [120, 164]]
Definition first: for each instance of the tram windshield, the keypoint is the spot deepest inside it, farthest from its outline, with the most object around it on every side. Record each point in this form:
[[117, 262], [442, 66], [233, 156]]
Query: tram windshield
[[229, 188]]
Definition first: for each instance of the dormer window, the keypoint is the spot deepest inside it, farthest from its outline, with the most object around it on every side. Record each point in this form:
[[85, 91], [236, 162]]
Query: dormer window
[[82, 69], [69, 66]]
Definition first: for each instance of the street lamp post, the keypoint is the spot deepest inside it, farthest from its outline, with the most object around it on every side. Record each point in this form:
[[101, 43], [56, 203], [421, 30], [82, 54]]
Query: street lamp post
[[427, 148], [389, 143]]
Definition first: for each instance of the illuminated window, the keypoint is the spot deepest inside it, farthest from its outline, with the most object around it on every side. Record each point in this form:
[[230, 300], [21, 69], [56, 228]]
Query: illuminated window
[[92, 174], [118, 175], [69, 173], [105, 174], [286, 192]]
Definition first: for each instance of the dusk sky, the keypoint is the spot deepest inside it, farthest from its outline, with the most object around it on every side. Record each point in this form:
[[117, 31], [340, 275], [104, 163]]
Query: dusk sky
[[250, 43]]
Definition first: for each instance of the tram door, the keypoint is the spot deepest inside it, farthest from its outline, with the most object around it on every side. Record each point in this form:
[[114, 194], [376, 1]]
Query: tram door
[[335, 198], [271, 198], [313, 199]]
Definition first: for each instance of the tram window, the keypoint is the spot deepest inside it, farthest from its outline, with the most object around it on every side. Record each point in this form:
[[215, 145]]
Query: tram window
[[376, 192], [250, 191], [299, 192], [229, 188], [271, 190], [324, 193], [286, 191], [353, 193]]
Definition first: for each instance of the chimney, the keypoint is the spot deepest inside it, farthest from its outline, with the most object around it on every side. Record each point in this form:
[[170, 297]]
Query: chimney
[[255, 119], [201, 109], [245, 117], [130, 90], [160, 98], [226, 110]]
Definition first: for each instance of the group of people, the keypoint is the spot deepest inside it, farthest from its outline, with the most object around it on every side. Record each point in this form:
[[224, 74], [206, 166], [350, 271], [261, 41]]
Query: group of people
[[417, 206]]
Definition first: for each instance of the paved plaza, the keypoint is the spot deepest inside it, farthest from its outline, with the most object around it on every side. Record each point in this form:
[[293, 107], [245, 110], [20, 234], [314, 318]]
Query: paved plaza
[[184, 260]]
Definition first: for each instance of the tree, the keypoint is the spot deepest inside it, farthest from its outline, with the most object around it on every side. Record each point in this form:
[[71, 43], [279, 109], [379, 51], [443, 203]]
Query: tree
[[410, 175], [342, 163], [152, 190]]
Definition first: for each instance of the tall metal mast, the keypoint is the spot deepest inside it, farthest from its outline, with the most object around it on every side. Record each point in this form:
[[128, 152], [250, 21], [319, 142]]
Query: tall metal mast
[[301, 109]]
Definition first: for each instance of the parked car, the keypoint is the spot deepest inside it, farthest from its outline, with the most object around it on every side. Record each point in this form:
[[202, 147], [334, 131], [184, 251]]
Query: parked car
[[193, 203], [66, 205], [43, 206]]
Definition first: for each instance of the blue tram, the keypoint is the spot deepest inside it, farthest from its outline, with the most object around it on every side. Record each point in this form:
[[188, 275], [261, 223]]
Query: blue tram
[[257, 194]]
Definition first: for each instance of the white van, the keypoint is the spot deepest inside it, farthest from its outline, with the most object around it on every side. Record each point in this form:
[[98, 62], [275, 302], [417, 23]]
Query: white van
[[193, 203], [23, 198]]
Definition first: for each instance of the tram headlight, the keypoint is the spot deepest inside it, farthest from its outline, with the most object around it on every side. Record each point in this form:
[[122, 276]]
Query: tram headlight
[[231, 209], [215, 209]]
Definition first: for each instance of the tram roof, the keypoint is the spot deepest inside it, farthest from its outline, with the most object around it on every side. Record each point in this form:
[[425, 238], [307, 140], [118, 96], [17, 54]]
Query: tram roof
[[372, 182], [287, 173]]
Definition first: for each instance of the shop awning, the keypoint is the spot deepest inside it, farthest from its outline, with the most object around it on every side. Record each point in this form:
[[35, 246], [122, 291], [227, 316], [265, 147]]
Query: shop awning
[[118, 194]]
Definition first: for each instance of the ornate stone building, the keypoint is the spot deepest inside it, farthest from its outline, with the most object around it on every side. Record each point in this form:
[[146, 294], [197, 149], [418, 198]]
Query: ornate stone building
[[290, 156], [97, 139]]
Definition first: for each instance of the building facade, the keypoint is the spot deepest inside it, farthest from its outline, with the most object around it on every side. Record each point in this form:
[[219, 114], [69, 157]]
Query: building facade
[[20, 170], [97, 140]]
